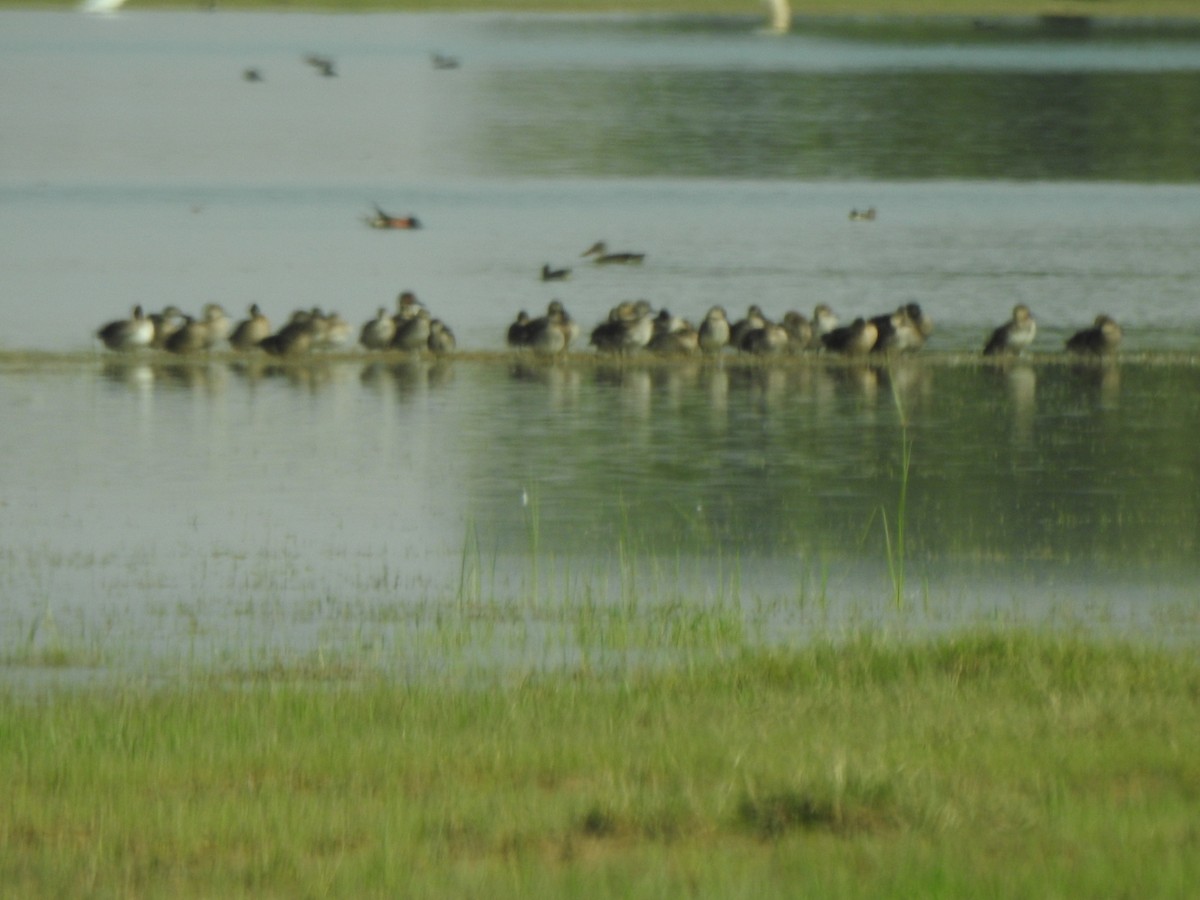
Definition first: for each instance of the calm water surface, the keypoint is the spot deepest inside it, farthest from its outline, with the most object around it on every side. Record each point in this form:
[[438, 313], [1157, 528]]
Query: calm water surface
[[158, 506]]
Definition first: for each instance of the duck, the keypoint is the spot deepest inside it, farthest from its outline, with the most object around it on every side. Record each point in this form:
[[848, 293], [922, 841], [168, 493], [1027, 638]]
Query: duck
[[217, 321], [377, 333], [630, 326], [602, 257], [165, 324], [518, 332], [193, 337], [799, 331], [824, 320], [334, 332], [443, 61], [863, 215], [1014, 335], [252, 74], [672, 335], [769, 340], [441, 338], [714, 330], [323, 64], [398, 223], [407, 307], [1101, 339], [753, 321], [904, 330], [293, 338], [413, 333], [134, 333], [249, 332], [855, 339], [549, 274], [551, 334]]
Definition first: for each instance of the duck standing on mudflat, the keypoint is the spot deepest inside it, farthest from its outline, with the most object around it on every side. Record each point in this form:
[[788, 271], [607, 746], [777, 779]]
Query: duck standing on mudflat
[[602, 257], [293, 338], [903, 330], [441, 338], [753, 321], [823, 321], [518, 332], [165, 324], [217, 322], [714, 330], [1101, 339], [799, 331], [769, 340], [377, 333], [192, 337], [856, 339], [551, 334], [413, 334], [133, 333], [249, 332], [1014, 335]]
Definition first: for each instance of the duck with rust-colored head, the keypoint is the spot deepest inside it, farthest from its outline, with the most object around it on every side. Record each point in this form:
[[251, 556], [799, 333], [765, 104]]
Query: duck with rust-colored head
[[1014, 335]]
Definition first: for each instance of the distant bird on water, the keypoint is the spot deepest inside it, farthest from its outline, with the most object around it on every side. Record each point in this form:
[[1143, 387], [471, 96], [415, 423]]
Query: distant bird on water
[[252, 75], [442, 61], [1014, 335], [863, 215], [549, 274], [599, 250], [385, 220], [323, 64]]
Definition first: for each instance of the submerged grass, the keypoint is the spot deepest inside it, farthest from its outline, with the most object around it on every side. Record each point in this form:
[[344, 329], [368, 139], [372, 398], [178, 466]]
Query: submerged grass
[[983, 764]]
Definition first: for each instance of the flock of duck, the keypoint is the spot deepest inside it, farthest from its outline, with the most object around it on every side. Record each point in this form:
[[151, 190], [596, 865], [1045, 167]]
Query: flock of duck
[[630, 327]]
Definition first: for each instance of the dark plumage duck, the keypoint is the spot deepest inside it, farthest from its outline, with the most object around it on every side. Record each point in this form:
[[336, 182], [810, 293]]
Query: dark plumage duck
[[294, 338], [1014, 335], [863, 215], [413, 334], [630, 326], [518, 332], [799, 331], [599, 250], [1101, 339], [441, 339], [323, 64], [549, 274], [133, 333], [904, 330], [856, 339], [193, 337]]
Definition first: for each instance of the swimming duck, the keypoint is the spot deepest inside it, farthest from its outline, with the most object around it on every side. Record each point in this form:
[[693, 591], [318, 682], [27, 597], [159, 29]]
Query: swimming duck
[[549, 274], [252, 75], [323, 65], [128, 334], [855, 339], [714, 330], [600, 251], [863, 215], [377, 333], [1101, 339], [413, 333], [1014, 335], [399, 223], [192, 337], [441, 338], [249, 332], [442, 61]]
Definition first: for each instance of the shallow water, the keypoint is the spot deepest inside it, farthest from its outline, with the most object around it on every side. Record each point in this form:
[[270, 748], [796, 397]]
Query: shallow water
[[169, 508]]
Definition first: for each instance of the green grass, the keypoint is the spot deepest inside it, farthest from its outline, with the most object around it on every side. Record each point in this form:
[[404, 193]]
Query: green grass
[[978, 765]]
